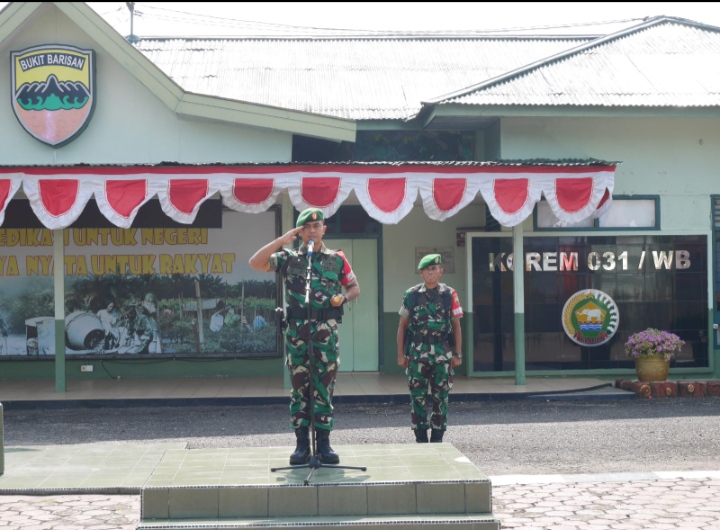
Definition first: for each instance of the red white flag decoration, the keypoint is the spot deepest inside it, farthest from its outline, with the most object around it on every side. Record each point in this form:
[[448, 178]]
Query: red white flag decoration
[[8, 188], [387, 191]]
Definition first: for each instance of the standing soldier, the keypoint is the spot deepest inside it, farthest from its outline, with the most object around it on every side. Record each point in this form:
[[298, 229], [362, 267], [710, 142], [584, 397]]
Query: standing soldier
[[429, 346], [329, 274]]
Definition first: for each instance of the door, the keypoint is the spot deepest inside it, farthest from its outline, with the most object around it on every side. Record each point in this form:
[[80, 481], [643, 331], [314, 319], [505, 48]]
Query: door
[[359, 333]]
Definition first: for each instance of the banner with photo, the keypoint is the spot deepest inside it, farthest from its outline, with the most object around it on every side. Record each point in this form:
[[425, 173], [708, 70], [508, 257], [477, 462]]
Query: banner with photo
[[141, 291]]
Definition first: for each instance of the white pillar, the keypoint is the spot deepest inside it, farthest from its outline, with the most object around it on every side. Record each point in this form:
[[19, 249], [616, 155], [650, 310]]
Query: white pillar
[[519, 303], [59, 286]]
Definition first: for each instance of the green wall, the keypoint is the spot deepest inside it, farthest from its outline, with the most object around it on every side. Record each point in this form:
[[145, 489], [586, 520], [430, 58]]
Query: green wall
[[140, 368]]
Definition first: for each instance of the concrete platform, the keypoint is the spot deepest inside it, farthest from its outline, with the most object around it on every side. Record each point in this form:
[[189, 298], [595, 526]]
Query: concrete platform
[[429, 478], [393, 485], [125, 467], [97, 468], [403, 485]]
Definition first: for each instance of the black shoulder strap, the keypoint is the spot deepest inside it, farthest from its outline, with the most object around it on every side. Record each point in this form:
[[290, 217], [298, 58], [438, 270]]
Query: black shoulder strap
[[414, 297], [447, 302], [447, 299]]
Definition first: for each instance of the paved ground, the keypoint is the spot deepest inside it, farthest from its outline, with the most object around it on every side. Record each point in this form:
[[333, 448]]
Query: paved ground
[[660, 452], [70, 512], [634, 505], [637, 505], [500, 438]]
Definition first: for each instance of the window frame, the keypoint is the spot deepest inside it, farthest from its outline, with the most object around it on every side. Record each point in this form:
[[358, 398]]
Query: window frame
[[596, 222]]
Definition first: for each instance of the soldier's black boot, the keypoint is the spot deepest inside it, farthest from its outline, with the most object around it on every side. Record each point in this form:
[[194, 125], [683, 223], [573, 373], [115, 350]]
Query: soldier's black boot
[[421, 436], [436, 436], [302, 449], [325, 452]]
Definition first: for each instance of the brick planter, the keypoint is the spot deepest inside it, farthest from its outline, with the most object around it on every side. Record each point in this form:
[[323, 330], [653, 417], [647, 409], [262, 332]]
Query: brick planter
[[663, 389], [713, 388], [641, 388], [691, 389], [667, 389]]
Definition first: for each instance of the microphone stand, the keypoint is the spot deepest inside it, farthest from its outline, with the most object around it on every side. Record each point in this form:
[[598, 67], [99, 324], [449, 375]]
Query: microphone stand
[[314, 462]]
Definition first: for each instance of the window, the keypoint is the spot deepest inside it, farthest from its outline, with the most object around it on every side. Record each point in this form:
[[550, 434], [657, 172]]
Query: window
[[632, 213], [654, 280], [716, 257]]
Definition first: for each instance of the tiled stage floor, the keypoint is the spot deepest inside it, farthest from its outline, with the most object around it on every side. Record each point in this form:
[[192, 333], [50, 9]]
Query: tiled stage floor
[[122, 467]]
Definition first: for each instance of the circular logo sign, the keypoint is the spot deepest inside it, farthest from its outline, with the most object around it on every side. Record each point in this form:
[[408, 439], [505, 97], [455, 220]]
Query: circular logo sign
[[590, 317]]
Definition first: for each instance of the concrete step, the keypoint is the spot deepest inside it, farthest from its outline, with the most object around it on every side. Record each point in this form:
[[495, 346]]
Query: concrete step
[[475, 521], [386, 485], [318, 500]]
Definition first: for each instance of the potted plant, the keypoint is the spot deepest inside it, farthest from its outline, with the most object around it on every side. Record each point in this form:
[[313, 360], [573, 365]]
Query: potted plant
[[652, 350]]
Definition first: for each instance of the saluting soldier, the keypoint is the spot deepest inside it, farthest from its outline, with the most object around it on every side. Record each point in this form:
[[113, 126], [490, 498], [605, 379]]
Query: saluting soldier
[[330, 273], [429, 347]]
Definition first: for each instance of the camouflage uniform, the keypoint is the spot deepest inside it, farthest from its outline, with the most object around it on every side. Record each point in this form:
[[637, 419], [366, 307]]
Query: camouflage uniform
[[141, 327], [330, 271], [429, 351]]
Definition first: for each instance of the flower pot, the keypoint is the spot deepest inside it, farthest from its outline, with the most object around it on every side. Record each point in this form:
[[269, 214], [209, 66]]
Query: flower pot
[[652, 368]]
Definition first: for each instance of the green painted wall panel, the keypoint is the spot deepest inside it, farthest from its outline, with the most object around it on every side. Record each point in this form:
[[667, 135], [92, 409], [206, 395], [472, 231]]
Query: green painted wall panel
[[22, 370], [390, 366]]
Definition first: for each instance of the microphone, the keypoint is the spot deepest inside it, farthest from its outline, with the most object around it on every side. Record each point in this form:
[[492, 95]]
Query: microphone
[[310, 247]]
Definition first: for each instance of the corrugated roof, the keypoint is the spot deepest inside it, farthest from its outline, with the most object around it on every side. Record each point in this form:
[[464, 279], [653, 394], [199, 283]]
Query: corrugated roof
[[353, 78], [560, 162], [665, 62]]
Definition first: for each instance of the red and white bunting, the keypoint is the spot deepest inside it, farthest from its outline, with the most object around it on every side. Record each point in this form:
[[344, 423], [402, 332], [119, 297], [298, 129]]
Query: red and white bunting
[[121, 199], [326, 192], [59, 194], [9, 184], [386, 198], [57, 202], [250, 194]]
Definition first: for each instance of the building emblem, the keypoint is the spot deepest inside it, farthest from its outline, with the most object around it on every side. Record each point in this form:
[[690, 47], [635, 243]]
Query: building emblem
[[590, 317], [53, 91]]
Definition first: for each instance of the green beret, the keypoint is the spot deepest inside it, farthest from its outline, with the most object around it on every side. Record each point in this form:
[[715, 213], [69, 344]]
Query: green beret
[[430, 259], [308, 216]]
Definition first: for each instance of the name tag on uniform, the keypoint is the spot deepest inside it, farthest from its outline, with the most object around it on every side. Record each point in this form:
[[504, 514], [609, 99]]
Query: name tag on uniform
[[297, 266], [329, 265]]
